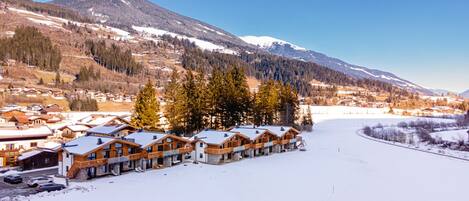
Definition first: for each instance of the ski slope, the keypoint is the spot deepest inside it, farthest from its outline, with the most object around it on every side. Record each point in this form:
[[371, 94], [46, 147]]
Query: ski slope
[[339, 165]]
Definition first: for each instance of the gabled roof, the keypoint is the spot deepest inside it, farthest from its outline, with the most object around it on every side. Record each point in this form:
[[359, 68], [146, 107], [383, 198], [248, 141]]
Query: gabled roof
[[42, 131], [280, 131], [76, 128], [87, 144], [252, 133], [216, 137], [145, 138], [107, 129], [31, 153]]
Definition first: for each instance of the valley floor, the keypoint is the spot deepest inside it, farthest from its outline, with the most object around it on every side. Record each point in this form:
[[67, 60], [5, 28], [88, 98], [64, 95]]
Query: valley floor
[[339, 165]]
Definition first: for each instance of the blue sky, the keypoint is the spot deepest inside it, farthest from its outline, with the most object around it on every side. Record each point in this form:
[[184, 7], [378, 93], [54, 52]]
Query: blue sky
[[424, 41]]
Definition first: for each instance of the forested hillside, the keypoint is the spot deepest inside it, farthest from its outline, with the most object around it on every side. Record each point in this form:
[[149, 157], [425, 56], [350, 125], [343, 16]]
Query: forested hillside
[[50, 9], [29, 46], [265, 67]]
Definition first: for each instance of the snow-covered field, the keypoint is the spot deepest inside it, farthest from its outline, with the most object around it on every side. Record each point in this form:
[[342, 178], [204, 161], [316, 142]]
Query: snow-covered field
[[339, 165], [452, 136]]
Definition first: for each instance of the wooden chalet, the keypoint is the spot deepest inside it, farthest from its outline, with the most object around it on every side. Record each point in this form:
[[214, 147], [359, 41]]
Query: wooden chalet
[[92, 156], [37, 158], [160, 149], [263, 142], [73, 131], [217, 147], [287, 136]]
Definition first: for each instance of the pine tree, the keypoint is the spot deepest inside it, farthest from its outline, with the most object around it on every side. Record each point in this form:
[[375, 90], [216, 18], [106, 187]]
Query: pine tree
[[41, 82], [215, 91], [236, 98], [307, 121], [57, 78], [146, 109], [194, 102], [174, 108], [289, 105]]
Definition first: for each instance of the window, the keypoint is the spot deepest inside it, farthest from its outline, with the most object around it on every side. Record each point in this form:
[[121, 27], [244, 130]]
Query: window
[[118, 145], [67, 155], [46, 160], [66, 168], [106, 154], [10, 146], [149, 149], [201, 155], [160, 147], [201, 145], [33, 144], [92, 156]]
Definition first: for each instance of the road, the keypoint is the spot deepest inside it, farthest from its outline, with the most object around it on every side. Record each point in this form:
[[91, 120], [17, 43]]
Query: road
[[11, 190]]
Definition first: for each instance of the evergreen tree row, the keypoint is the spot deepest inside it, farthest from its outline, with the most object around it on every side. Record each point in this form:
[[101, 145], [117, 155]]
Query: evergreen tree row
[[113, 57], [224, 101], [85, 104], [29, 46], [87, 74]]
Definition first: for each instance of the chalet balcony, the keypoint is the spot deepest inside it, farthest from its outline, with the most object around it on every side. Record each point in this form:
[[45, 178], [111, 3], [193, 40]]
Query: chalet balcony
[[90, 163], [220, 151], [160, 154]]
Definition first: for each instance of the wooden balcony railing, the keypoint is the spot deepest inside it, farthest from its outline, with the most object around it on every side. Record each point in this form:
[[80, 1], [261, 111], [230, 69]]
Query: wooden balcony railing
[[159, 154], [219, 151]]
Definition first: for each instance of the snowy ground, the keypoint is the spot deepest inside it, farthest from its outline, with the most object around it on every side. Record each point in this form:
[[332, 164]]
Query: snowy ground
[[451, 136], [339, 165]]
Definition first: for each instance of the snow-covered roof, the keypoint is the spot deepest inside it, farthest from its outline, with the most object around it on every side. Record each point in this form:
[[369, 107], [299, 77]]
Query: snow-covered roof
[[29, 154], [85, 144], [42, 131], [214, 137], [91, 120], [146, 138], [252, 133], [277, 130], [107, 129]]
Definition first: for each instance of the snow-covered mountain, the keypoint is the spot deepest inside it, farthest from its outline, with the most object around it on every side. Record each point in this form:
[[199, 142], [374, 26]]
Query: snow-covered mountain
[[287, 49], [465, 94], [145, 15]]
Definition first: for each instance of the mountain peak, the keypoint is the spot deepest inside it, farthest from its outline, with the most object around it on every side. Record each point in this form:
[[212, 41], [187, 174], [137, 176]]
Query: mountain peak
[[265, 42]]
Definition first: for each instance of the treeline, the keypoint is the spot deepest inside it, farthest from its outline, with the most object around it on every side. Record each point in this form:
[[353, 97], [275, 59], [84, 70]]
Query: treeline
[[87, 74], [83, 104], [113, 57], [29, 46], [193, 103], [296, 73], [50, 9]]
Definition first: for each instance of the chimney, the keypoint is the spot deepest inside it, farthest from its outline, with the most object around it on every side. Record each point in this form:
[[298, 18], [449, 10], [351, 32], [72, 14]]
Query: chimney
[[282, 128], [226, 134], [257, 131], [155, 137], [100, 141]]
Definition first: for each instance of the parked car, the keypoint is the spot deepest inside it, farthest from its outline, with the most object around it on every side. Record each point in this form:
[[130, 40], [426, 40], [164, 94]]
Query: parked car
[[13, 179], [36, 181], [50, 187]]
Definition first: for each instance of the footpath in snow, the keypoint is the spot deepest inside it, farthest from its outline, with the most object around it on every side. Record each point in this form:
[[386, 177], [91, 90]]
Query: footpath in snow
[[339, 165]]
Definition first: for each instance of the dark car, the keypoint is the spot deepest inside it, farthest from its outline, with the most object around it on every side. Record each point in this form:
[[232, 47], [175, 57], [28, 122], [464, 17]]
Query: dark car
[[50, 187], [13, 179]]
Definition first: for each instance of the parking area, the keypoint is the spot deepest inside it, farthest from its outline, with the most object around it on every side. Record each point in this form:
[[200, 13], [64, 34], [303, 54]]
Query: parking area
[[12, 190]]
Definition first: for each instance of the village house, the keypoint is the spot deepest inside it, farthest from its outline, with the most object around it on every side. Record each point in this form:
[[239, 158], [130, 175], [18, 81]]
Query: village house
[[111, 130], [288, 136], [263, 142], [73, 131], [161, 149], [37, 158], [13, 141], [100, 119], [217, 147], [92, 156]]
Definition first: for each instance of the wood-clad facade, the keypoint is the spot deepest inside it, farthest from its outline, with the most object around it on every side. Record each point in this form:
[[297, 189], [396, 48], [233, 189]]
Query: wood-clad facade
[[113, 157], [165, 152]]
